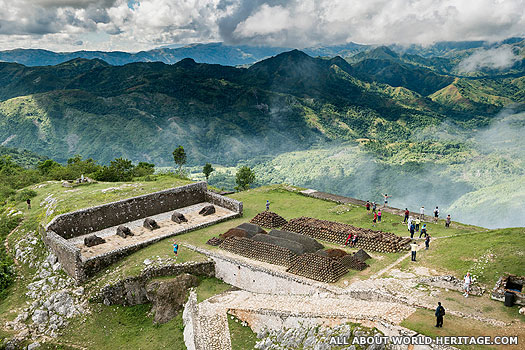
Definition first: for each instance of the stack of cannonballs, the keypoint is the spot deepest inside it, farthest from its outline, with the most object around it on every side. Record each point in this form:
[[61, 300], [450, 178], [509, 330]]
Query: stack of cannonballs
[[336, 232], [268, 219], [257, 250], [317, 267], [351, 262]]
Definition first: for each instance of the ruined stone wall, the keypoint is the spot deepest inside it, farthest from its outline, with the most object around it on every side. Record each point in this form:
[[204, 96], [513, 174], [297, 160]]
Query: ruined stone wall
[[67, 254], [225, 202], [97, 218], [132, 290]]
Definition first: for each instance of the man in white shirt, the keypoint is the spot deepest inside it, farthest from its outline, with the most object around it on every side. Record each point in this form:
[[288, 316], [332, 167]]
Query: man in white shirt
[[467, 281], [422, 212]]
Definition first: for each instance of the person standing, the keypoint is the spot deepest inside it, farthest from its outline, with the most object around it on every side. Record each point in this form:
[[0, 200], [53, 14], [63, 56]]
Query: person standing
[[379, 214], [422, 212], [418, 222], [423, 231], [407, 213], [467, 281], [386, 196], [349, 238], [374, 207], [447, 221], [413, 248], [375, 218], [176, 249], [440, 312], [427, 242], [436, 214], [412, 229], [367, 206], [267, 205], [28, 201]]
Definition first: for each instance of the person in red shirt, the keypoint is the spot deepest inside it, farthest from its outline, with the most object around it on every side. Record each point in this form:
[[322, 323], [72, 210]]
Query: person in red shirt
[[349, 238], [375, 218], [407, 213], [367, 206]]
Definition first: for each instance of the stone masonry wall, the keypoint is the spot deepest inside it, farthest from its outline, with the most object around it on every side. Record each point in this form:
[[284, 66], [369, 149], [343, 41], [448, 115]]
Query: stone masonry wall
[[97, 218], [80, 222], [224, 202], [258, 279], [67, 254]]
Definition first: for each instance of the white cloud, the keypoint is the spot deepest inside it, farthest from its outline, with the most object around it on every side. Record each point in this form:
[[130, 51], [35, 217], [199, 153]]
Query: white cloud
[[497, 58], [143, 24]]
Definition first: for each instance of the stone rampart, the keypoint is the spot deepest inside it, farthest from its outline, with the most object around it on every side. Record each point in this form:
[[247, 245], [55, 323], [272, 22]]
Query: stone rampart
[[97, 218], [66, 226]]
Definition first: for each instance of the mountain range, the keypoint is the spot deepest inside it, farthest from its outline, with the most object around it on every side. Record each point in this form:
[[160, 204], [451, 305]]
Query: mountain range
[[391, 115]]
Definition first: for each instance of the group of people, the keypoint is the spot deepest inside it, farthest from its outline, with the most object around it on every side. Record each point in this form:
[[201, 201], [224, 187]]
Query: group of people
[[377, 213]]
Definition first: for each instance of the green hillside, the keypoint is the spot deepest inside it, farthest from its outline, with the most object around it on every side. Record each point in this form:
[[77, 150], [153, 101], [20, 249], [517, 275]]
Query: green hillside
[[379, 121]]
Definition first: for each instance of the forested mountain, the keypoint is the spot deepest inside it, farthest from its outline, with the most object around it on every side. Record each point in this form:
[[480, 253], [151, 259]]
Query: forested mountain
[[392, 110]]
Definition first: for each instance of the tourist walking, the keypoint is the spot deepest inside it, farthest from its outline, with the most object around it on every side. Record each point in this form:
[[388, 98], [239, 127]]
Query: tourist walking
[[422, 212], [413, 248], [447, 221], [423, 230], [467, 281], [267, 205], [379, 214], [427, 242], [412, 229], [386, 196], [28, 201], [436, 214], [440, 312], [407, 213], [367, 206]]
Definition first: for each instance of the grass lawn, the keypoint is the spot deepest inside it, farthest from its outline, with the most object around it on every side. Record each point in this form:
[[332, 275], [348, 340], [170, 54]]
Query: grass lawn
[[423, 321], [242, 337], [486, 255], [119, 327]]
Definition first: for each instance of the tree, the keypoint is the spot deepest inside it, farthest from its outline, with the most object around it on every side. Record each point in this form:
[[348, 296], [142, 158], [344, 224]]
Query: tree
[[143, 169], [46, 166], [207, 170], [244, 178], [179, 156]]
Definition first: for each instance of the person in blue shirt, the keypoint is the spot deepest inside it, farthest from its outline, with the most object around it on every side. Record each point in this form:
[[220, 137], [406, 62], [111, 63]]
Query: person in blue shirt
[[175, 249], [267, 205]]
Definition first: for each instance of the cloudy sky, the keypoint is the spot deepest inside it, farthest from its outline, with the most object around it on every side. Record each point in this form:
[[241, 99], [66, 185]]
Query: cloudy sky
[[134, 25]]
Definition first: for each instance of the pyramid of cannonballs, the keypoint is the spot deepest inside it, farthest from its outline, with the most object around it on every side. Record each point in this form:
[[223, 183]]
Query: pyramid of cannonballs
[[337, 232], [261, 251], [317, 267], [351, 262], [214, 241], [268, 219]]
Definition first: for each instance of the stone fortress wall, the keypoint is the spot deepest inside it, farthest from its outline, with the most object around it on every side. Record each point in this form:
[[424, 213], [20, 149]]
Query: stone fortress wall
[[61, 229]]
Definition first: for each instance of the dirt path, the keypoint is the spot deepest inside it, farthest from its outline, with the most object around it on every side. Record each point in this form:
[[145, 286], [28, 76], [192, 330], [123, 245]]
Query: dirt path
[[6, 243]]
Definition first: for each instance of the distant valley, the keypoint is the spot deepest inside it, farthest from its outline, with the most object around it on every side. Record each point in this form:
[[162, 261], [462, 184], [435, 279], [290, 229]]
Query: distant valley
[[436, 126]]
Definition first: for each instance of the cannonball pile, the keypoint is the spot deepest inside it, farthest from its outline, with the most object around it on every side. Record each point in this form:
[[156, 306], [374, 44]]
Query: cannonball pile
[[351, 262], [268, 219], [317, 267], [379, 241], [261, 251]]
